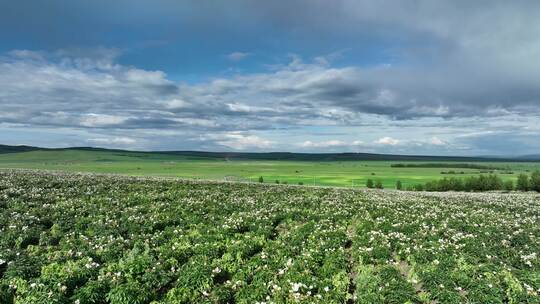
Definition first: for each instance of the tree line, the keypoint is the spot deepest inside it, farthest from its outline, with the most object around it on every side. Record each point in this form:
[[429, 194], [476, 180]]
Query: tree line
[[490, 182], [447, 165]]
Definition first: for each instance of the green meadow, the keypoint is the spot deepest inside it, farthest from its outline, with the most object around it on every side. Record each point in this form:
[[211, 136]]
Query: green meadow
[[320, 173]]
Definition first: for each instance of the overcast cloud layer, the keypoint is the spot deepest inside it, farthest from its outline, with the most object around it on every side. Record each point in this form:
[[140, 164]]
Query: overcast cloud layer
[[416, 77]]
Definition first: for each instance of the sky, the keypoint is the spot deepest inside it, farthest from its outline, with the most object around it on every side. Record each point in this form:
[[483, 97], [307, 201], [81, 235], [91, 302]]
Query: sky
[[405, 77]]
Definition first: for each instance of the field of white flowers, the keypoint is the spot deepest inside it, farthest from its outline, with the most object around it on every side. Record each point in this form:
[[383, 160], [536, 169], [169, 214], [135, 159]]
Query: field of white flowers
[[68, 238]]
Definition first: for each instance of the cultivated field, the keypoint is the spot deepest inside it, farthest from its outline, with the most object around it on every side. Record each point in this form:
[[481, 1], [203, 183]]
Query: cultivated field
[[321, 173], [67, 238]]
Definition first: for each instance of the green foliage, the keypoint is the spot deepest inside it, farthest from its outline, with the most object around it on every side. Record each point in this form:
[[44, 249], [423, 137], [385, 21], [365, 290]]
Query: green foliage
[[120, 240], [261, 179], [508, 185], [399, 186], [285, 167], [522, 182], [534, 183], [196, 279], [448, 165], [488, 182], [6, 293], [93, 292], [418, 187], [378, 184], [130, 292], [369, 183]]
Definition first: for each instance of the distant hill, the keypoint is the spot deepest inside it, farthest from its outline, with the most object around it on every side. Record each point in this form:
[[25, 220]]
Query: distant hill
[[322, 156], [534, 157], [16, 149], [272, 155]]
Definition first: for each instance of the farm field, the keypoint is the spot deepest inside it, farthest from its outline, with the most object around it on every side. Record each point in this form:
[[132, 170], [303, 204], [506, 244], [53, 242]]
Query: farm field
[[86, 238], [325, 173]]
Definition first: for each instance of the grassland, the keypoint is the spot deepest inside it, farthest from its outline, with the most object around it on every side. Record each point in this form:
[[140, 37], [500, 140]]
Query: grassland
[[326, 173]]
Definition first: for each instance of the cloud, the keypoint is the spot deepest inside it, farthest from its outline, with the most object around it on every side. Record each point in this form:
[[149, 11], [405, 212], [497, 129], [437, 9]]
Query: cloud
[[396, 92], [176, 103], [115, 141], [323, 144], [58, 90], [101, 93], [237, 56], [331, 144], [463, 70], [101, 120], [387, 141], [436, 141], [239, 141]]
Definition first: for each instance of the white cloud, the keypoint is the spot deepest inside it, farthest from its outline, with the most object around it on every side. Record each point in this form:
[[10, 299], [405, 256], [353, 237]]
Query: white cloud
[[112, 141], [196, 122], [239, 141], [331, 144], [101, 120], [323, 144], [237, 56], [26, 54], [147, 77], [176, 103], [387, 141], [437, 141], [38, 90]]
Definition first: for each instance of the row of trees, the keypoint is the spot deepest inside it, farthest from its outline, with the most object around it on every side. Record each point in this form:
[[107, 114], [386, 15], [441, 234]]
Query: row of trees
[[488, 182]]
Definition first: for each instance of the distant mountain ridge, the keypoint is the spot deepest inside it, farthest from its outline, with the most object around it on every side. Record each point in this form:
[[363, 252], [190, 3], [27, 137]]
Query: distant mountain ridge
[[16, 149], [346, 156], [533, 157]]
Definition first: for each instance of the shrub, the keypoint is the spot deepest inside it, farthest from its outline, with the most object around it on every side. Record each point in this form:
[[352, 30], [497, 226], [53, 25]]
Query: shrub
[[418, 187], [399, 186], [261, 179], [522, 182], [508, 185], [379, 184], [369, 183], [474, 183], [534, 183]]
